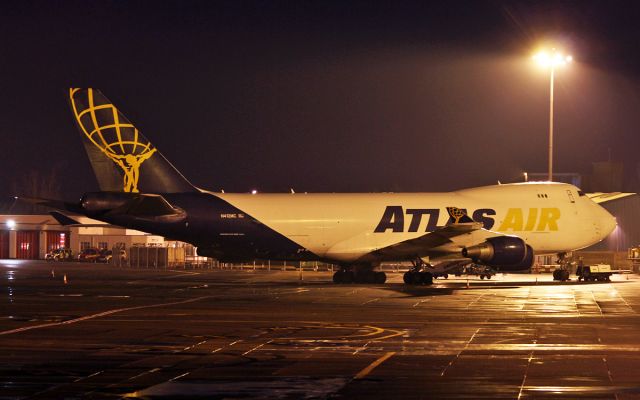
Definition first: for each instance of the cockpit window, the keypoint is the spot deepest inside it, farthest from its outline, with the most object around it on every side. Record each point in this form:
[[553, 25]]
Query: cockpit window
[[580, 193]]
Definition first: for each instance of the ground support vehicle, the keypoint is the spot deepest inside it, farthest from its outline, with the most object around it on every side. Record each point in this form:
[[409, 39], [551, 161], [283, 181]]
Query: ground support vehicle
[[597, 272]]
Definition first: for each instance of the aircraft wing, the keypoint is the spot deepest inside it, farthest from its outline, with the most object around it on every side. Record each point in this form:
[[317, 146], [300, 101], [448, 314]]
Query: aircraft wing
[[445, 241], [424, 245], [600, 197]]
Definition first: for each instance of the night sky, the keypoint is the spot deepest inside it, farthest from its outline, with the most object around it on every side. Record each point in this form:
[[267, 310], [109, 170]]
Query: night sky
[[340, 96]]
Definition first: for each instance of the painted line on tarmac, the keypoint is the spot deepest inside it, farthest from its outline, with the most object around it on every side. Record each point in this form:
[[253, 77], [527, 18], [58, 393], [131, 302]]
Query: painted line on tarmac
[[98, 315], [367, 370]]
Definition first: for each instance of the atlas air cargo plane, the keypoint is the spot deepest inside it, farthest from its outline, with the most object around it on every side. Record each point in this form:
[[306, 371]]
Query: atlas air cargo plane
[[499, 226]]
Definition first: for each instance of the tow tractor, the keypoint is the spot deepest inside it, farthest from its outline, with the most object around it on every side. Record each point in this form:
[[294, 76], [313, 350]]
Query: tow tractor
[[597, 272], [587, 273]]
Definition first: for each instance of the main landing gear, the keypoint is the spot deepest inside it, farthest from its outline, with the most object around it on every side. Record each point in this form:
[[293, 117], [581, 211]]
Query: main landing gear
[[417, 275], [362, 275]]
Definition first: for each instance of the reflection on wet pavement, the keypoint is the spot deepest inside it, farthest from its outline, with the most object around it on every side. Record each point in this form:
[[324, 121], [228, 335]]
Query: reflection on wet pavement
[[239, 334]]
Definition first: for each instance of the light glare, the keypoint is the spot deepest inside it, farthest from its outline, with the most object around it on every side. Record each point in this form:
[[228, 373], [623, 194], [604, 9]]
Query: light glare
[[11, 224], [553, 59]]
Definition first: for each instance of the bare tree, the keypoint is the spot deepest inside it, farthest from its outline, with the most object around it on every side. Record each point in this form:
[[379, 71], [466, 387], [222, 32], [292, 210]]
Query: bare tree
[[39, 184]]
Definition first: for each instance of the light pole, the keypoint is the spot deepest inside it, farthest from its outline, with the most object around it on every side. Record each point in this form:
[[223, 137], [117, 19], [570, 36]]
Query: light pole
[[551, 60]]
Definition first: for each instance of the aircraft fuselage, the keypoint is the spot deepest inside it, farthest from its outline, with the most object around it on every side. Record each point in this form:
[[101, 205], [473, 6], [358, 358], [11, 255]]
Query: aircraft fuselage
[[344, 228]]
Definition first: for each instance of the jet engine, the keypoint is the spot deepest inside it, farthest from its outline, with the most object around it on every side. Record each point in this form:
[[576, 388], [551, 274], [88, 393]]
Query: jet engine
[[506, 253]]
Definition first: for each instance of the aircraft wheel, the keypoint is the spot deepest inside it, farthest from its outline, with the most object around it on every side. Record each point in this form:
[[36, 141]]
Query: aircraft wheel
[[380, 277], [343, 277], [445, 276], [481, 276], [408, 277], [348, 277], [365, 277], [426, 278], [488, 276]]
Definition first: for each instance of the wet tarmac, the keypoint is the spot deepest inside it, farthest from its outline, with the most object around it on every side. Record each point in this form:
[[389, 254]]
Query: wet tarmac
[[113, 333]]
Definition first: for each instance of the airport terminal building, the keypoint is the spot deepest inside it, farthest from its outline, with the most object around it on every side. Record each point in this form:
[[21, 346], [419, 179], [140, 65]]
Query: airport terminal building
[[30, 237]]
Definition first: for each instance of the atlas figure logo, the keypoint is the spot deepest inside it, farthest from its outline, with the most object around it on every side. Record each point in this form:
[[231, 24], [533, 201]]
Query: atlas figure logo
[[394, 219], [113, 135]]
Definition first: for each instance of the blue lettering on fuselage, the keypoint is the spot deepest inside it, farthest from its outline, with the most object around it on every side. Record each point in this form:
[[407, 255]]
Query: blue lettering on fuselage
[[393, 219]]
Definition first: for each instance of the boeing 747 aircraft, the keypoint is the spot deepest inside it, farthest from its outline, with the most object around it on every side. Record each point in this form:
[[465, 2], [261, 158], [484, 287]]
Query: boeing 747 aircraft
[[500, 226]]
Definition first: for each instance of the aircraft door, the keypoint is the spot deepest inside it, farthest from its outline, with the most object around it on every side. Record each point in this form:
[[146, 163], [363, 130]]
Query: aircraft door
[[571, 198]]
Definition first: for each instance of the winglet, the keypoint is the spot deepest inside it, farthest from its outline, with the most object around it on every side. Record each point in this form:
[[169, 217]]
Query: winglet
[[458, 215]]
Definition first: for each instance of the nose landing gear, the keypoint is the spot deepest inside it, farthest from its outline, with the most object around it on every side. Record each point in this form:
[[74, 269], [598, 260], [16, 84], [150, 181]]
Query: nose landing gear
[[562, 274]]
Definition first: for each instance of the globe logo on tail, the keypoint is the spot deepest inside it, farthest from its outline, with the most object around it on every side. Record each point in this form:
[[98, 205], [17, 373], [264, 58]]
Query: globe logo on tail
[[108, 130]]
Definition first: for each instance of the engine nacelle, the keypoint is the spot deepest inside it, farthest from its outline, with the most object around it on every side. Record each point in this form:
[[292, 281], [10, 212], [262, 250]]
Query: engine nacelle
[[503, 252]]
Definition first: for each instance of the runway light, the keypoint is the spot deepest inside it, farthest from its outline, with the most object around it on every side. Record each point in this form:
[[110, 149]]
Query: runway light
[[11, 224], [254, 191]]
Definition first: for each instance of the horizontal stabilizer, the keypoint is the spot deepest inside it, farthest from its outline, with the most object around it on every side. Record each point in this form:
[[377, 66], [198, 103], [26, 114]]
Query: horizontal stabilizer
[[147, 205], [129, 205], [63, 219], [56, 204]]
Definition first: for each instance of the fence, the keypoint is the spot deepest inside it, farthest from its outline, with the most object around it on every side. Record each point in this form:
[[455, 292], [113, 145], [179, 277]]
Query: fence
[[186, 257]]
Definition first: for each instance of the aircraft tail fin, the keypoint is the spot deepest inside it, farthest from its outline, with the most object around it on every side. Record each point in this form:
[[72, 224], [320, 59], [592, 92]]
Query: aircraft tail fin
[[123, 159]]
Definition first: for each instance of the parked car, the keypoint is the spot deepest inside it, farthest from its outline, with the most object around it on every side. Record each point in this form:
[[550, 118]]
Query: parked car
[[61, 254], [90, 254], [104, 256], [107, 255]]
